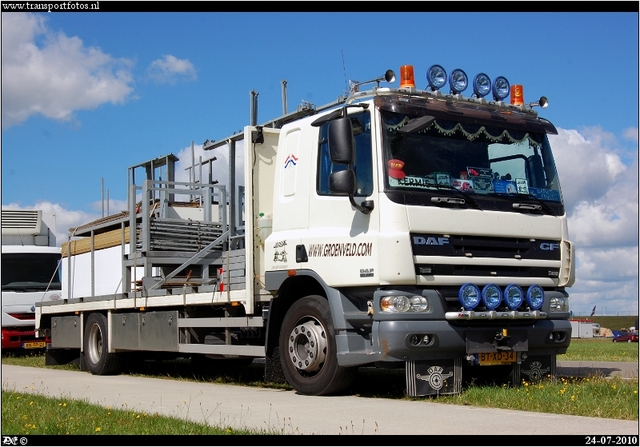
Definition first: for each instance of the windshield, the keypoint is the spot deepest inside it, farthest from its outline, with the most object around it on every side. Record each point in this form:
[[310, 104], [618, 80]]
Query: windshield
[[493, 167], [30, 272]]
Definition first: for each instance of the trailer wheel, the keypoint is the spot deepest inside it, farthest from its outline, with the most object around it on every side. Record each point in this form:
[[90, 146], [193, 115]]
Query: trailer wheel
[[97, 358], [308, 349]]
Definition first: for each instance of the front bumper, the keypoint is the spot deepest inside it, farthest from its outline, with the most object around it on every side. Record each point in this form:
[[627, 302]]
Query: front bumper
[[394, 341]]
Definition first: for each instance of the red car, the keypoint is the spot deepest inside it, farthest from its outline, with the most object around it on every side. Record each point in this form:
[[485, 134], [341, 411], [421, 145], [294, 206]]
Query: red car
[[626, 336]]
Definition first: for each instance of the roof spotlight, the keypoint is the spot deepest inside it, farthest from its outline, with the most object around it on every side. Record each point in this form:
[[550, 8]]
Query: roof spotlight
[[481, 85], [458, 81], [437, 77], [501, 88]]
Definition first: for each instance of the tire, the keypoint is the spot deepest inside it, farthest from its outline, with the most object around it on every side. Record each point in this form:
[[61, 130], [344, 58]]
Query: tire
[[308, 349], [98, 359]]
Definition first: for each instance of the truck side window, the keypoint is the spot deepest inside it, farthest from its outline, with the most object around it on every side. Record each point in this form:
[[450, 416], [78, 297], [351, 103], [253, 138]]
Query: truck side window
[[361, 123]]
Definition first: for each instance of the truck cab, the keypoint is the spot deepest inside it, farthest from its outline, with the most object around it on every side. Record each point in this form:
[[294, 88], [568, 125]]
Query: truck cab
[[435, 227], [30, 274]]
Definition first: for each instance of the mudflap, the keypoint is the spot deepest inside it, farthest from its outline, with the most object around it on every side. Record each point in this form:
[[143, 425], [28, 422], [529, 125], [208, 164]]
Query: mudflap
[[273, 368], [433, 377], [534, 368], [62, 356]]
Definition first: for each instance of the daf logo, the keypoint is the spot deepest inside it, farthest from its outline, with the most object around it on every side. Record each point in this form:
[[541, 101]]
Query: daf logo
[[419, 240], [549, 246]]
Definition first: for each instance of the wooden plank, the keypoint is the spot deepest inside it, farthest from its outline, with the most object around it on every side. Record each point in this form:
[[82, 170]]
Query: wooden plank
[[101, 241]]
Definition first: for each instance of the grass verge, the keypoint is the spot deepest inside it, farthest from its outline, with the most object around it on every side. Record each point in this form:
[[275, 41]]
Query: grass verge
[[616, 398], [600, 350], [34, 414]]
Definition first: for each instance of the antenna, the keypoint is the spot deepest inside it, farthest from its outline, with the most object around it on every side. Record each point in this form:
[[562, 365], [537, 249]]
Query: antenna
[[346, 82]]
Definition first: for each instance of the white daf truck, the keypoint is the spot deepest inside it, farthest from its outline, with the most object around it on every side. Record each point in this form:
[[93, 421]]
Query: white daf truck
[[30, 274], [395, 227]]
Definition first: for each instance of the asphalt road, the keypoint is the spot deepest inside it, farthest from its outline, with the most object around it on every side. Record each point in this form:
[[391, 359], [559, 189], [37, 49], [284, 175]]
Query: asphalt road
[[285, 412]]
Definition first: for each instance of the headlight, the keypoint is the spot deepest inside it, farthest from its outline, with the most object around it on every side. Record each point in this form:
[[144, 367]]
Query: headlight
[[500, 88], [535, 297], [403, 303], [513, 296], [481, 85], [491, 296], [559, 304], [437, 77], [458, 81], [469, 296]]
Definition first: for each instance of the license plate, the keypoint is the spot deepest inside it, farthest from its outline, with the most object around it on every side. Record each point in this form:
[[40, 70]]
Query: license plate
[[496, 358], [34, 345]]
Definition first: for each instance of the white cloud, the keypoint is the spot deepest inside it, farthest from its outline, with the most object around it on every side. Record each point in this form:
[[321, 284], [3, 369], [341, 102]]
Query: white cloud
[[600, 188], [51, 74], [587, 164], [631, 133], [170, 69]]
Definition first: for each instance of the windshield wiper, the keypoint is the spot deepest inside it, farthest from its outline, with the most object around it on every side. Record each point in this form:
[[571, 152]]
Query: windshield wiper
[[531, 207], [452, 200]]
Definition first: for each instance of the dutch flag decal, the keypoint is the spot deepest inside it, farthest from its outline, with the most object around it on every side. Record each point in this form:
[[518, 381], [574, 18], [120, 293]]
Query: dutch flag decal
[[291, 160]]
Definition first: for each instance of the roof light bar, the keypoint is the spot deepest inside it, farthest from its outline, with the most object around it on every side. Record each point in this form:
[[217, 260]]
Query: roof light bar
[[436, 77], [481, 85], [500, 88], [458, 81]]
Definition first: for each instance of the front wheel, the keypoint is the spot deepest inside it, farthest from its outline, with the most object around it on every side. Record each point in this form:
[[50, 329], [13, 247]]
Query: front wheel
[[98, 359], [308, 349]]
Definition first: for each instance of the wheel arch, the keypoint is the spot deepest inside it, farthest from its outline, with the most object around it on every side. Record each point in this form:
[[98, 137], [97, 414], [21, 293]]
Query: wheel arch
[[289, 290]]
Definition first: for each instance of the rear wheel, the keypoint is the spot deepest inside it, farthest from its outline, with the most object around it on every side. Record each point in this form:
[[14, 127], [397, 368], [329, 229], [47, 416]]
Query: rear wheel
[[308, 349], [97, 358]]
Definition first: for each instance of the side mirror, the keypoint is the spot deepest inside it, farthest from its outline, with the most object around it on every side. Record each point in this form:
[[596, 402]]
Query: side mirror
[[341, 142], [343, 182]]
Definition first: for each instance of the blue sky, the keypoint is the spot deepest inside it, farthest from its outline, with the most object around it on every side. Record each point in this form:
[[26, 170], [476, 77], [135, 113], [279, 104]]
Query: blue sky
[[86, 95]]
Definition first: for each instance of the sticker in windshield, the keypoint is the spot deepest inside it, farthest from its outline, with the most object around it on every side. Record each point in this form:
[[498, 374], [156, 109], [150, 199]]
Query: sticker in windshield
[[504, 187]]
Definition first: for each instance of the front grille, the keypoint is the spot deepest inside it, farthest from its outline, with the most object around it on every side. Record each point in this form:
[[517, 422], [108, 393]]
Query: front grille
[[484, 247]]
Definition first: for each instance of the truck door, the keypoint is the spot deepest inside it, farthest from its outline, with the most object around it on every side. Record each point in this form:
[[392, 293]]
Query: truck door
[[341, 241]]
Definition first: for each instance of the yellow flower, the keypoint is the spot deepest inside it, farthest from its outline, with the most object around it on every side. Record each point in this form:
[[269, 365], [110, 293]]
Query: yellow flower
[[98, 429]]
